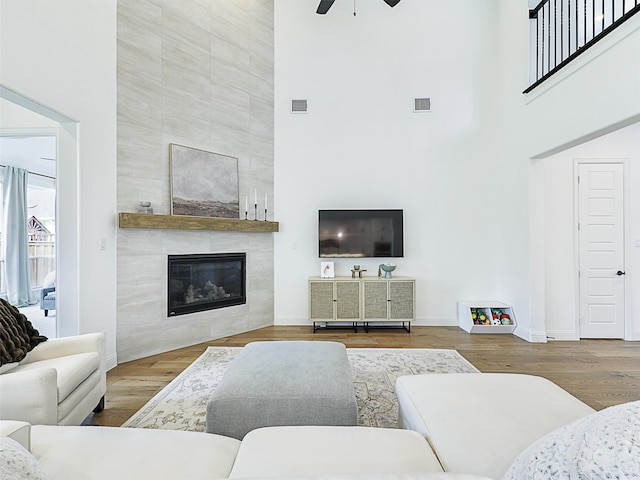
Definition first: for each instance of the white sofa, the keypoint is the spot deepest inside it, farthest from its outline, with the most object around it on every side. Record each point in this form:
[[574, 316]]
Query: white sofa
[[59, 382], [464, 427], [482, 422], [70, 453]]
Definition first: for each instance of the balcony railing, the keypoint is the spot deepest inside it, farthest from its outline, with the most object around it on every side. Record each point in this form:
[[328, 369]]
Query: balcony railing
[[561, 30]]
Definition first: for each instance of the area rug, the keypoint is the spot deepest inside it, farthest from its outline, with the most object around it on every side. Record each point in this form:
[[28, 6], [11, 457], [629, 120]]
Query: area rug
[[182, 404]]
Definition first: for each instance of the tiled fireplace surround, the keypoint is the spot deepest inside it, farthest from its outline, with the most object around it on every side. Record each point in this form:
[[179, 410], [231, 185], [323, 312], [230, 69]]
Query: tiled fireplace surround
[[200, 76], [144, 328]]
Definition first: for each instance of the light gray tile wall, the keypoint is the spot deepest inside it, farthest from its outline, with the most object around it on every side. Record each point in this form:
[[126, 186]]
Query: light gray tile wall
[[198, 73]]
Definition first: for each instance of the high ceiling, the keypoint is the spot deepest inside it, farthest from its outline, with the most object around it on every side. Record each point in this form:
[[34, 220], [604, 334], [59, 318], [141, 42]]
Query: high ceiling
[[35, 153], [27, 139]]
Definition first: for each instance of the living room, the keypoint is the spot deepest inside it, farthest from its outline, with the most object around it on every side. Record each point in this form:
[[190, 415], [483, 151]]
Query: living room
[[494, 143], [485, 178]]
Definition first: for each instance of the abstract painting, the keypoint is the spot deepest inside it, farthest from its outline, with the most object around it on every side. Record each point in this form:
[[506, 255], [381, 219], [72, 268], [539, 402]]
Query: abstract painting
[[203, 184]]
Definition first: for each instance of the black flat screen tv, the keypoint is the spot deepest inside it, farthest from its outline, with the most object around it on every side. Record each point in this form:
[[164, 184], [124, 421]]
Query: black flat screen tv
[[360, 233]]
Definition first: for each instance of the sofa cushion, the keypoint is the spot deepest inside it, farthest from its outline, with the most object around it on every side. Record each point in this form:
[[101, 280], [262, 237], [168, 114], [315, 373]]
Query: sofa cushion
[[17, 463], [18, 431], [480, 422], [331, 450], [605, 444], [383, 476], [7, 367], [72, 370], [17, 335], [101, 453]]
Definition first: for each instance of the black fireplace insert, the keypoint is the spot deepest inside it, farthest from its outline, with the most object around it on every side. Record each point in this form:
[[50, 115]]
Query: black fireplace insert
[[205, 281]]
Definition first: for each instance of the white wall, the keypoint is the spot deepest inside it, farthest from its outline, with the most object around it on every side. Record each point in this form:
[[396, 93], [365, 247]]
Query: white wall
[[560, 229], [361, 146], [62, 54], [475, 221], [594, 95], [478, 206]]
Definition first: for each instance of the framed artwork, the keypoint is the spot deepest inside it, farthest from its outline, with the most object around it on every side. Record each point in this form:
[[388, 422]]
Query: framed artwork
[[203, 184], [327, 269]]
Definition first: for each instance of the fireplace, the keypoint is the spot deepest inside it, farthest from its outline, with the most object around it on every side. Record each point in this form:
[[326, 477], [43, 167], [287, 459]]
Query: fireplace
[[205, 281]]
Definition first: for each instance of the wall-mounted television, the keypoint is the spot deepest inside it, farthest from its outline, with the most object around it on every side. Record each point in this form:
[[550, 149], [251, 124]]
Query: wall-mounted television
[[360, 233]]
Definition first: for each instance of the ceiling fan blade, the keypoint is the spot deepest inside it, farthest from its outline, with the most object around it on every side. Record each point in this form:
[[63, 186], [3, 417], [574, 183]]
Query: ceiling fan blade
[[324, 6], [392, 3]]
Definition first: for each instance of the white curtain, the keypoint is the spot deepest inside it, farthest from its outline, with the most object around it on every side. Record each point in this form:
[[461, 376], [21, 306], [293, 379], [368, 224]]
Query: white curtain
[[16, 240]]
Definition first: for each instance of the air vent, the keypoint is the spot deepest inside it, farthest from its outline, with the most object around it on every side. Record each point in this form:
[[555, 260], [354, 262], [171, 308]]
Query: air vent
[[421, 104], [298, 106]]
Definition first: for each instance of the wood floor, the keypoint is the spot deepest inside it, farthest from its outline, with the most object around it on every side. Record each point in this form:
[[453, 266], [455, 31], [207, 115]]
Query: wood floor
[[599, 372]]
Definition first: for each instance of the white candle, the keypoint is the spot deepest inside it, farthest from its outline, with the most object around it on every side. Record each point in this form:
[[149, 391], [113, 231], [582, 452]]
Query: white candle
[[246, 204], [265, 201], [256, 196]]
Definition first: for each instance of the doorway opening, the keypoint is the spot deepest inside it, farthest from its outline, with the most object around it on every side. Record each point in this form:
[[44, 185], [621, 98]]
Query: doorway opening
[[36, 155], [52, 182], [579, 253]]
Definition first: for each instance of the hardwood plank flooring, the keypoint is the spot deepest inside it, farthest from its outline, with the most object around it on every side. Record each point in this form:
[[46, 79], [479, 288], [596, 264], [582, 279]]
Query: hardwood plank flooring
[[599, 372]]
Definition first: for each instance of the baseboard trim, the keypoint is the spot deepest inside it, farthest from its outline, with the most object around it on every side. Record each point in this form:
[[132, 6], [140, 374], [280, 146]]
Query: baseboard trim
[[562, 335], [529, 336], [112, 361]]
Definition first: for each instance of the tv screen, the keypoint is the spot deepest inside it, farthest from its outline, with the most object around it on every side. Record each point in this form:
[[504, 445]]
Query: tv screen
[[360, 233]]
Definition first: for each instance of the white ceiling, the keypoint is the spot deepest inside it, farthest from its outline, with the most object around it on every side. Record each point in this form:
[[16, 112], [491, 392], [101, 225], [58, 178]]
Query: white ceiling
[[35, 153], [25, 140]]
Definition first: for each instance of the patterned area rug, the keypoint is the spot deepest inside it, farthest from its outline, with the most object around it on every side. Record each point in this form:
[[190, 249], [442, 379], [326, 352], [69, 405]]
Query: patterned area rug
[[182, 404]]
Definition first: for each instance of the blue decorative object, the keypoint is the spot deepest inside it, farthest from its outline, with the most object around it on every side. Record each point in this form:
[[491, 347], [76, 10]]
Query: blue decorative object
[[387, 268]]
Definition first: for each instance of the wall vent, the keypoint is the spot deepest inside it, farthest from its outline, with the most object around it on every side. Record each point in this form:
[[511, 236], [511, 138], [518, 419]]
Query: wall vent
[[298, 106], [421, 104]]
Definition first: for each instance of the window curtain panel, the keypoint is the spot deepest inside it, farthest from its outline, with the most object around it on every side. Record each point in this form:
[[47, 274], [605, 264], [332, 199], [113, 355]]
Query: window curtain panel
[[16, 240]]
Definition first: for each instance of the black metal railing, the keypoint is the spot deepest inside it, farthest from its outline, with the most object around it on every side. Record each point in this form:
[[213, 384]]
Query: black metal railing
[[563, 29]]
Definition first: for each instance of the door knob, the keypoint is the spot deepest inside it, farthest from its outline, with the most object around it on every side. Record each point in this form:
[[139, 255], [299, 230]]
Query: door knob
[[619, 273]]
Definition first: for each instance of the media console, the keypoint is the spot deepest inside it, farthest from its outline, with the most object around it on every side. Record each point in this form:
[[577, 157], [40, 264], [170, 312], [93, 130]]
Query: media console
[[366, 301]]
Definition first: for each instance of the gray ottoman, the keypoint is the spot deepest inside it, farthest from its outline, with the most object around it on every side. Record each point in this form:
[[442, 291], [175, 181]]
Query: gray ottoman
[[283, 383]]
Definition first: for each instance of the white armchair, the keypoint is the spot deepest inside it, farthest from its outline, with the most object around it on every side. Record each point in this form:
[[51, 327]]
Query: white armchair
[[59, 382]]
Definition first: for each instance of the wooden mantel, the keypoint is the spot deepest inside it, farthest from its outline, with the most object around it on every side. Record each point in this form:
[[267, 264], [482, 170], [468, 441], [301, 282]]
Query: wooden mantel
[[184, 222]]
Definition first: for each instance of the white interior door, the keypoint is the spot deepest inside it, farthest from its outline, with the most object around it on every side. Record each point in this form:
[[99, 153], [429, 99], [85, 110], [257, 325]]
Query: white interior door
[[601, 255]]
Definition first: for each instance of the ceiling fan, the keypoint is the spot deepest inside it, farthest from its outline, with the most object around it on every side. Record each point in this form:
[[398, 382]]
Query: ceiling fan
[[325, 5]]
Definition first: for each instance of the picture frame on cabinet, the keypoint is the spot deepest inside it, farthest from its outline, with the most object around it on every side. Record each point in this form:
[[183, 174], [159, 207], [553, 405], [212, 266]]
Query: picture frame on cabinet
[[327, 269]]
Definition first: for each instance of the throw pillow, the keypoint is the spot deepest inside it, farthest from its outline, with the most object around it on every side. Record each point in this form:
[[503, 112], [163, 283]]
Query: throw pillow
[[16, 463], [605, 444], [49, 280], [17, 335]]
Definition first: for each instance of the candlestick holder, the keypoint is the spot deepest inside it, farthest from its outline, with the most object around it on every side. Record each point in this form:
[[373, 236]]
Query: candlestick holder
[[255, 212], [265, 214], [246, 215]]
